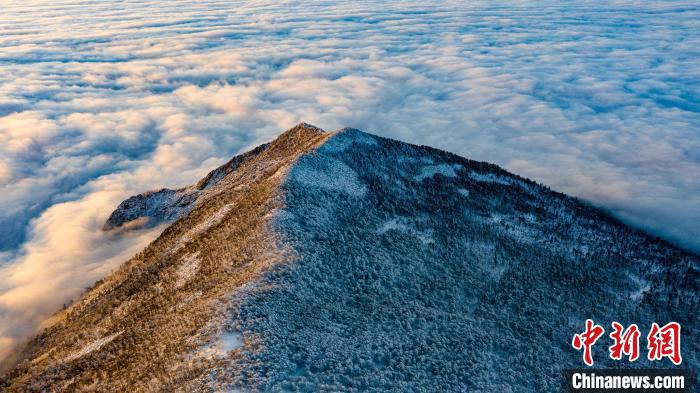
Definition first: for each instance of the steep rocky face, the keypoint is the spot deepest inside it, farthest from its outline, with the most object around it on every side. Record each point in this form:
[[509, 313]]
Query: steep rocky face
[[345, 261]]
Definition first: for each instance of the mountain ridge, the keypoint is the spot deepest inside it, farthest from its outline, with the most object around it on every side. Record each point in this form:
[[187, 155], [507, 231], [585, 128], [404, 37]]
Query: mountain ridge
[[186, 197], [346, 261]]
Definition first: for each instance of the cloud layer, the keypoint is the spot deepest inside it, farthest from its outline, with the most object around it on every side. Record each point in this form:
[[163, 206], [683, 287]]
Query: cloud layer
[[102, 100]]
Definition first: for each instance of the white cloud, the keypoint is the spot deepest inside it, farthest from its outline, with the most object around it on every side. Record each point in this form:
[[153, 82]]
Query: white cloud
[[100, 101], [66, 252]]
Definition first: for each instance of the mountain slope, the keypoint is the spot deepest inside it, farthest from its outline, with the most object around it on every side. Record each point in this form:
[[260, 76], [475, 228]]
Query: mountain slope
[[345, 261], [154, 207]]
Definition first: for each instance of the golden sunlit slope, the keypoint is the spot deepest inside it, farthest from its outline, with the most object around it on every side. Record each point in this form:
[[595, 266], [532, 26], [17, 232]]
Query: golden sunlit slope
[[155, 322]]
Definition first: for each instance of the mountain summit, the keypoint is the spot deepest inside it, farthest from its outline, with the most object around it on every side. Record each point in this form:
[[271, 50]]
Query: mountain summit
[[326, 261]]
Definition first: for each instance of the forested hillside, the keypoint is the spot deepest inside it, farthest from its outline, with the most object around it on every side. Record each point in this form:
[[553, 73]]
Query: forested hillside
[[346, 261]]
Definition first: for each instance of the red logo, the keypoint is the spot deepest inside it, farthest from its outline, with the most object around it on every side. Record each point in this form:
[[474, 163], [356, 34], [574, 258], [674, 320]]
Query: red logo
[[665, 342], [625, 342], [662, 342], [586, 340]]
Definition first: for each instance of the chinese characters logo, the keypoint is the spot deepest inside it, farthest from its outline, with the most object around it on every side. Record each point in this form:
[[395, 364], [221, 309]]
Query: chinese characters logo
[[662, 342]]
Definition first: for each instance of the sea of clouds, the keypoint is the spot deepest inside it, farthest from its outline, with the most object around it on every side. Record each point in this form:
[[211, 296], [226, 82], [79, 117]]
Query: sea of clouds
[[102, 100]]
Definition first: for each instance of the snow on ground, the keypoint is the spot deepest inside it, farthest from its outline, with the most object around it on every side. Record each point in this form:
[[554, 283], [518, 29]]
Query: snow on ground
[[345, 138], [212, 220], [364, 306], [432, 170], [93, 346], [394, 223], [230, 341], [404, 225], [222, 345], [505, 180], [643, 287], [158, 206], [490, 178], [187, 270], [329, 174]]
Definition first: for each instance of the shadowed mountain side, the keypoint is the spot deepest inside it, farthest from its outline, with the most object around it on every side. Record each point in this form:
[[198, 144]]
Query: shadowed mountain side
[[346, 261]]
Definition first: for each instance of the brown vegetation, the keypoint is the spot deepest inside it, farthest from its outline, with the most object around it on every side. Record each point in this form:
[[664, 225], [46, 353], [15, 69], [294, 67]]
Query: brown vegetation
[[140, 329]]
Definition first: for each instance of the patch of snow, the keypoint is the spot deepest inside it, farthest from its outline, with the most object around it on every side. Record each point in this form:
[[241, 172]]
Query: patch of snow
[[522, 228], [93, 346], [331, 174], [432, 170], [156, 206], [394, 223], [493, 178], [220, 348], [230, 341], [497, 218], [400, 224], [637, 295], [463, 192], [211, 220], [345, 138], [490, 178], [642, 285], [187, 270]]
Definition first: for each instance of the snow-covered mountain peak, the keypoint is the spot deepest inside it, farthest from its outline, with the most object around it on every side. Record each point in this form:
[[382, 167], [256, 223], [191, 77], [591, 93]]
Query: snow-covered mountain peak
[[330, 261], [155, 207]]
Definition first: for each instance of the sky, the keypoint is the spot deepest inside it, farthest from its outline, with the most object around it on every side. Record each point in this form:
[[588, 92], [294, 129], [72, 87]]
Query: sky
[[102, 100]]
